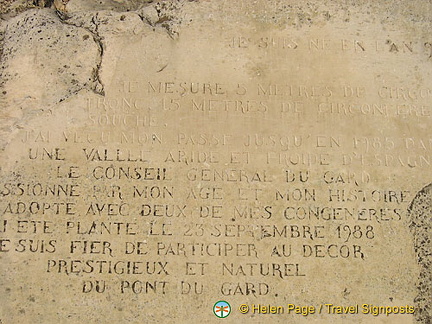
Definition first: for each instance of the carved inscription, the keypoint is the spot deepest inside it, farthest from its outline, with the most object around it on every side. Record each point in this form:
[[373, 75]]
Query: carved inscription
[[258, 206], [258, 154]]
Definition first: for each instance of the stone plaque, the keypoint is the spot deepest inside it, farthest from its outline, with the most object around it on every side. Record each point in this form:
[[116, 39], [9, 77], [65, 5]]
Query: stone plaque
[[185, 161]]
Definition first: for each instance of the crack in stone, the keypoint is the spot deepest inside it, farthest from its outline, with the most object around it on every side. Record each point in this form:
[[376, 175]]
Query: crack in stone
[[97, 86], [164, 18], [43, 3]]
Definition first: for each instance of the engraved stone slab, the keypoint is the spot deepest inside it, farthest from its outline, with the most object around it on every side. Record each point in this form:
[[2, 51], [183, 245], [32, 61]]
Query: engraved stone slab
[[159, 157]]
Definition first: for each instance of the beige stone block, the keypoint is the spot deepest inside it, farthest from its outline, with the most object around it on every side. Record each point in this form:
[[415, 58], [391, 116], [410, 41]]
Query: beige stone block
[[160, 156]]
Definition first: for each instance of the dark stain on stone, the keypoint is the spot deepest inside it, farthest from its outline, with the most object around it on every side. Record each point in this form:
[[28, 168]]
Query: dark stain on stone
[[96, 82], [420, 221], [43, 3]]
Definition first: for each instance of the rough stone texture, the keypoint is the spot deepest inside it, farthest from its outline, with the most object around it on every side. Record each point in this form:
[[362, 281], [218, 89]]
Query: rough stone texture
[[27, 43], [85, 83], [420, 212], [30, 48], [15, 6], [112, 5]]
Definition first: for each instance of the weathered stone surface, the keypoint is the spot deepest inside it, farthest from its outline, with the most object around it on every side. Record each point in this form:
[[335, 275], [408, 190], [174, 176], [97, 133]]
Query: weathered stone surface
[[37, 66], [160, 156]]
